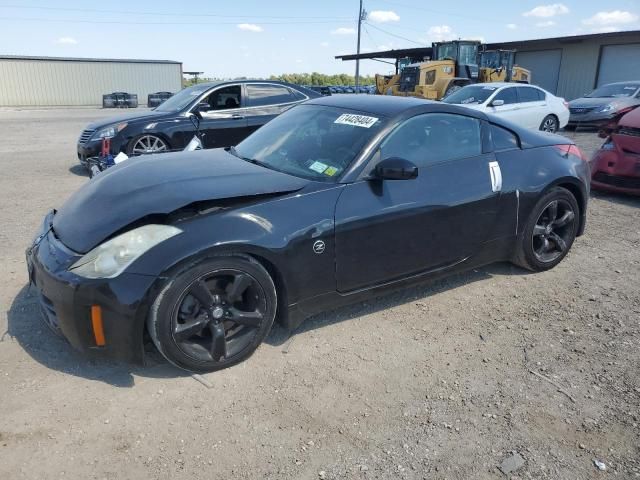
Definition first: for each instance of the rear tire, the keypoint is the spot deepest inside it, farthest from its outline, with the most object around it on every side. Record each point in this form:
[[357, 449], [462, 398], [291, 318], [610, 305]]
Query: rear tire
[[550, 124], [549, 232], [213, 314]]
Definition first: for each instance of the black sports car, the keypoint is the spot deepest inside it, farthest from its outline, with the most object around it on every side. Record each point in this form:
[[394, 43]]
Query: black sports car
[[230, 112], [334, 200]]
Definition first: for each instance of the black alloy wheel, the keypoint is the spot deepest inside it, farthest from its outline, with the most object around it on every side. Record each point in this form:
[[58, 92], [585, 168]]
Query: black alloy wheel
[[549, 231], [213, 315], [553, 231]]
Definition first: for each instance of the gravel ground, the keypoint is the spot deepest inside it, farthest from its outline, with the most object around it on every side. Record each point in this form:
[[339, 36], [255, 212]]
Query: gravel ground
[[444, 381]]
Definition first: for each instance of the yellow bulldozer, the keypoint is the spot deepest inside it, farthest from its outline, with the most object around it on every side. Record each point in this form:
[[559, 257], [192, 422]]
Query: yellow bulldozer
[[455, 64]]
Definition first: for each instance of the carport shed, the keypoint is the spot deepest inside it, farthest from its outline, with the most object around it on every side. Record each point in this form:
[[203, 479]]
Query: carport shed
[[61, 81]]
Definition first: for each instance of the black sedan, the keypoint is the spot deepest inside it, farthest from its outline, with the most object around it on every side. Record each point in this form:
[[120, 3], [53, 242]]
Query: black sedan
[[333, 201], [230, 112]]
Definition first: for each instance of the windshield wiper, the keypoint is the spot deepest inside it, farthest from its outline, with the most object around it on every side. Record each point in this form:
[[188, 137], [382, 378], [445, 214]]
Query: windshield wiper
[[232, 150]]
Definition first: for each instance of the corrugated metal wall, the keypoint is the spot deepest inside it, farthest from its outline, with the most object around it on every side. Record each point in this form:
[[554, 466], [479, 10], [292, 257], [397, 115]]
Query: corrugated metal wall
[[580, 61], [51, 83]]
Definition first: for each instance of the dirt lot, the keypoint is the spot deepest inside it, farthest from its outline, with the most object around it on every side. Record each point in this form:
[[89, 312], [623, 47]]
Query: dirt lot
[[433, 382]]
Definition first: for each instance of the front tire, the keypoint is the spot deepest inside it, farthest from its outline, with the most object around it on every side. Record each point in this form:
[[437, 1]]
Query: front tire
[[550, 124], [213, 314], [549, 232], [146, 144]]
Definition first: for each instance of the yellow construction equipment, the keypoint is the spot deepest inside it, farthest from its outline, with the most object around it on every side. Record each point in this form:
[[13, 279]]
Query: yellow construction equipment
[[455, 64]]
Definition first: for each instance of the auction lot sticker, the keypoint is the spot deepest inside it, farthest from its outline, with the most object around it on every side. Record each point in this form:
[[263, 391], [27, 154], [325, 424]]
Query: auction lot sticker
[[356, 120]]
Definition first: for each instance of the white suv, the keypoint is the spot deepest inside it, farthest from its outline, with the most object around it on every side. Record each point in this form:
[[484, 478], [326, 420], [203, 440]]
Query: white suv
[[525, 105]]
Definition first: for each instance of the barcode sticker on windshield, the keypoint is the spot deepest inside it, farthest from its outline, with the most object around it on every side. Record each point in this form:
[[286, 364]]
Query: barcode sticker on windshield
[[356, 120]]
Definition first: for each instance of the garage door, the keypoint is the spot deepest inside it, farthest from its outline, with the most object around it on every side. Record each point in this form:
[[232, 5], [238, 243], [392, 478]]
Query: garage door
[[544, 66], [619, 63]]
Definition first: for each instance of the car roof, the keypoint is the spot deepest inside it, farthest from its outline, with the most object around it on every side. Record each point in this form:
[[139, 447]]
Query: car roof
[[385, 105], [225, 82], [629, 82]]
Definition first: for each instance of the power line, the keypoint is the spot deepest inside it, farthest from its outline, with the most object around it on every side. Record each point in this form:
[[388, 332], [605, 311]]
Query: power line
[[172, 14], [437, 12], [394, 35], [123, 22]]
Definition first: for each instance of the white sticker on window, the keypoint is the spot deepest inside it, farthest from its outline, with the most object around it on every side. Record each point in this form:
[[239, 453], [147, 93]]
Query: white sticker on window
[[356, 120], [318, 167]]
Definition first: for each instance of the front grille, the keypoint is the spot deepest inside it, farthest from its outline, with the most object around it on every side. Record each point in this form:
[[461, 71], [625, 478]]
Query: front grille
[[48, 312], [581, 110], [85, 136], [615, 181], [633, 132]]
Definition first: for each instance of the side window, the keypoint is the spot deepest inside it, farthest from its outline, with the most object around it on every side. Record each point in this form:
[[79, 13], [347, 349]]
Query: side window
[[503, 139], [260, 94], [528, 94], [224, 98], [508, 95], [297, 96], [433, 138]]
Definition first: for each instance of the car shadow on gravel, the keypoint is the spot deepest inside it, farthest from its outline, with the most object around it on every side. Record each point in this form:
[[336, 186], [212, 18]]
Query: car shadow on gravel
[[421, 292], [619, 198], [25, 325], [79, 170]]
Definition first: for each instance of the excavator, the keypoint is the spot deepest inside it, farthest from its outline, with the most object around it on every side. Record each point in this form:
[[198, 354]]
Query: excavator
[[455, 64]]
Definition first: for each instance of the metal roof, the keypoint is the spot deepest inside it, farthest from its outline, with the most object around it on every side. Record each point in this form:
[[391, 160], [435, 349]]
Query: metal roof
[[78, 59], [397, 53]]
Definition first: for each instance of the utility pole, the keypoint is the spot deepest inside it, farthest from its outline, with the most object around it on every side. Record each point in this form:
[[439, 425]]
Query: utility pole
[[361, 17]]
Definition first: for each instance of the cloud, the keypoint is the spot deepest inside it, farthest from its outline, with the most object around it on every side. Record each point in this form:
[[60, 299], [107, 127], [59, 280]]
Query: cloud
[[546, 11], [548, 23], [615, 17], [250, 27], [512, 26], [324, 44], [67, 41], [440, 33], [605, 29], [383, 16], [344, 31]]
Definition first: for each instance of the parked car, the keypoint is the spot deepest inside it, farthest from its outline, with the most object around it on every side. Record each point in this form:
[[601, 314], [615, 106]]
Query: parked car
[[322, 90], [616, 166], [335, 200], [605, 105], [120, 100], [230, 111], [525, 105], [155, 99]]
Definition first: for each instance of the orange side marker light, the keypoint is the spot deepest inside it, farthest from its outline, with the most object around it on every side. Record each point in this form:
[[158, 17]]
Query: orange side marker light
[[96, 322]]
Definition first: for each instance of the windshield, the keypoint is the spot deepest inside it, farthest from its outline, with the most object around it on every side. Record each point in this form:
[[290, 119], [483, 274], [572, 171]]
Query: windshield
[[182, 98], [468, 54], [473, 94], [310, 141], [447, 50], [614, 90]]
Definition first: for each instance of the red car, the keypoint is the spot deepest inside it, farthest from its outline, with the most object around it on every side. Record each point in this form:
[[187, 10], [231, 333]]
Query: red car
[[616, 166]]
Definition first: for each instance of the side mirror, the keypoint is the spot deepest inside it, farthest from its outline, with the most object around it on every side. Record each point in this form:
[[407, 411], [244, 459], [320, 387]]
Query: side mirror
[[395, 169], [497, 103]]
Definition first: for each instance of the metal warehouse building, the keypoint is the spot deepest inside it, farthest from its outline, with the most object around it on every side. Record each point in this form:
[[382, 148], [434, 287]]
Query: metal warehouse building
[[566, 66], [53, 81]]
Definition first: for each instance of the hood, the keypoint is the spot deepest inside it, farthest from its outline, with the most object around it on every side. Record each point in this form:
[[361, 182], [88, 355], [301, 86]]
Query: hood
[[160, 184], [586, 102], [129, 117], [631, 119]]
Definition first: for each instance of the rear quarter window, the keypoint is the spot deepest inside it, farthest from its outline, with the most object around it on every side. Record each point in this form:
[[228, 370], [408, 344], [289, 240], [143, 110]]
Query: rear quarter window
[[503, 139]]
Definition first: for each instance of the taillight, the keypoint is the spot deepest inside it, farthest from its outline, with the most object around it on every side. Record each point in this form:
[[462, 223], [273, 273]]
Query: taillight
[[572, 150]]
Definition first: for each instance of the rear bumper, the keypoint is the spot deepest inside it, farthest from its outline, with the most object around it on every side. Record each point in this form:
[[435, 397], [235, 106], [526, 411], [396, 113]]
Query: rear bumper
[[66, 300], [615, 171]]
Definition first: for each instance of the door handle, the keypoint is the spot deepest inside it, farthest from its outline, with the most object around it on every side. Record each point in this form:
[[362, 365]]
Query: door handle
[[237, 116], [496, 176]]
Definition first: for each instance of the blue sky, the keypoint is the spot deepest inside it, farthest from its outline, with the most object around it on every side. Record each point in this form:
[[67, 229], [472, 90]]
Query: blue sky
[[254, 38]]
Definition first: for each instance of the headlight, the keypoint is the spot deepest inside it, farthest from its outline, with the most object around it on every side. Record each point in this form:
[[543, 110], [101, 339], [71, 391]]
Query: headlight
[[112, 257], [607, 108], [110, 131]]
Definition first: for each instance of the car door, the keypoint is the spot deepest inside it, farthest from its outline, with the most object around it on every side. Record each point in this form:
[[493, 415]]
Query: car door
[[387, 230], [532, 106], [266, 101], [510, 109], [224, 122]]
